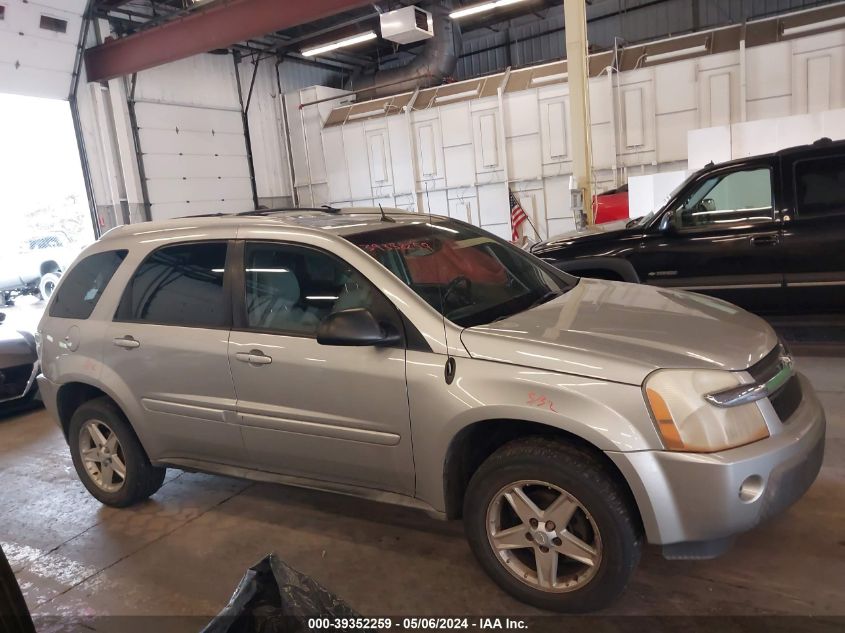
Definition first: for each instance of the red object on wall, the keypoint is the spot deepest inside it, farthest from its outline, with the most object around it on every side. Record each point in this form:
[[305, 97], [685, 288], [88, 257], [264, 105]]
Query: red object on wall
[[221, 24], [611, 205]]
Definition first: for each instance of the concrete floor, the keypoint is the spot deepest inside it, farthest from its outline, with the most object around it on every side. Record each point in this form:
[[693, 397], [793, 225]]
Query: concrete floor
[[183, 552]]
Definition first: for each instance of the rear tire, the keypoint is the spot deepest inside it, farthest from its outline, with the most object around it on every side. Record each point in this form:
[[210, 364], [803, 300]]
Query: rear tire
[[109, 459], [530, 556]]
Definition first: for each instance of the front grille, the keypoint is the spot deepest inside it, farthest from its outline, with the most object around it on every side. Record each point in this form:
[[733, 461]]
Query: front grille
[[13, 380], [786, 399], [763, 370]]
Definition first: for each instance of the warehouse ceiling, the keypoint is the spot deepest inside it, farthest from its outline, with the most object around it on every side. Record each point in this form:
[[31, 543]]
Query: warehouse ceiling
[[520, 24]]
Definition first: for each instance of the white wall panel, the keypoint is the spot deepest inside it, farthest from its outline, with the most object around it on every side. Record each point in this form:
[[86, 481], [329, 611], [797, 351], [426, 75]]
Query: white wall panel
[[456, 125], [400, 138], [463, 205], [671, 130], [337, 171], [487, 141], [768, 72], [632, 101], [524, 157], [676, 87], [269, 154], [557, 198], [493, 204], [554, 117], [521, 114], [378, 152], [460, 165], [355, 148], [818, 83]]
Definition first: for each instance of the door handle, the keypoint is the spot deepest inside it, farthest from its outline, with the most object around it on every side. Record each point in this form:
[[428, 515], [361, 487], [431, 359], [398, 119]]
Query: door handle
[[764, 240], [254, 357], [127, 342]]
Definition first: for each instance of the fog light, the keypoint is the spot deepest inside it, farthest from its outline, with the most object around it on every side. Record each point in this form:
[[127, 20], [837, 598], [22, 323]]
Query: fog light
[[751, 489]]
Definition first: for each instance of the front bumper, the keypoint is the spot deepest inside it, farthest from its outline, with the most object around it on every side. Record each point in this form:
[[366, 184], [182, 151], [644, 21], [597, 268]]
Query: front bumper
[[49, 391], [695, 498]]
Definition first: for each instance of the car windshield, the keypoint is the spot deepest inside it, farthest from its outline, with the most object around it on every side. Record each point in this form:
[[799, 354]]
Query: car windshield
[[466, 274]]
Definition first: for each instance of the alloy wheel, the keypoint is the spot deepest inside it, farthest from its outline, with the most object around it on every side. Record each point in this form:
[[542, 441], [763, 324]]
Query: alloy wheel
[[102, 455], [544, 536]]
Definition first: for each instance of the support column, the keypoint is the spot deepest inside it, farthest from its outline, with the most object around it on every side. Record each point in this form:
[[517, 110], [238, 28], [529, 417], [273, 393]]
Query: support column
[[575, 23]]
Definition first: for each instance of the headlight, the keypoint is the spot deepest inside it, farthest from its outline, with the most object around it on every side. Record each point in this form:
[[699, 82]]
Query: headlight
[[687, 422]]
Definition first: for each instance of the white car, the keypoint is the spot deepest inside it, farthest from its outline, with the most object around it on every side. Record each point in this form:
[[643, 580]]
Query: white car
[[33, 265]]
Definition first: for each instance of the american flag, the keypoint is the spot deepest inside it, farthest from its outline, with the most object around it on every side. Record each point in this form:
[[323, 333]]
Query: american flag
[[518, 216]]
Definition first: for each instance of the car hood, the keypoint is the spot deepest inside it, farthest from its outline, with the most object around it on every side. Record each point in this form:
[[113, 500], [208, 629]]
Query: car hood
[[622, 332], [608, 231]]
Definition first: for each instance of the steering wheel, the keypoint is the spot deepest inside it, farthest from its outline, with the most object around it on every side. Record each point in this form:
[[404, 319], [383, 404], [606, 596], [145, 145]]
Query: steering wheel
[[454, 285]]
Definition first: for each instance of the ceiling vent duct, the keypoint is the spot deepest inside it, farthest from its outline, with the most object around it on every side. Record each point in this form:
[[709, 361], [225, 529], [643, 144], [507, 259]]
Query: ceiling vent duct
[[436, 62], [407, 25]]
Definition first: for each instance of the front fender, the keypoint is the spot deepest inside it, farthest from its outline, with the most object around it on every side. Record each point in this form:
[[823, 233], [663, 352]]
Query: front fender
[[611, 416]]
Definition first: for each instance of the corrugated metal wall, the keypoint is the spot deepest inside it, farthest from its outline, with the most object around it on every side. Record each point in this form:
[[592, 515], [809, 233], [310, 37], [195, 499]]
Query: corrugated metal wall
[[534, 39]]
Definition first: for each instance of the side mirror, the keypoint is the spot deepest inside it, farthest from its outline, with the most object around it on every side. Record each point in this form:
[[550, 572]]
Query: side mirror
[[667, 222], [354, 327]]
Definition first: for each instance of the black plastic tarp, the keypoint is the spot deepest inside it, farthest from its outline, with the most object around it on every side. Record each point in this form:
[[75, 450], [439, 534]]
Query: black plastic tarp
[[273, 597]]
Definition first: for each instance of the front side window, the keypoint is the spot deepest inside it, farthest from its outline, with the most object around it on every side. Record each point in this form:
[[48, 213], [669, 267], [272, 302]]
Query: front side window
[[179, 285], [291, 289], [83, 285], [467, 274], [730, 199], [820, 187]]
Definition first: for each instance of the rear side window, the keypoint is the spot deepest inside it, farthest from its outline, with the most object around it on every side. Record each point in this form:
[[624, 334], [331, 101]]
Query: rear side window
[[820, 187], [179, 285], [84, 284]]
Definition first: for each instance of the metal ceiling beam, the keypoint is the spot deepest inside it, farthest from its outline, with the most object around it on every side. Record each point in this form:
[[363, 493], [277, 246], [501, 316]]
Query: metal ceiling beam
[[219, 25]]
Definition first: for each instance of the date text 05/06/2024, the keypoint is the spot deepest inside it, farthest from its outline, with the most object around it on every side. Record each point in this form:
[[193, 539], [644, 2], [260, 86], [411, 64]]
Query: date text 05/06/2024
[[422, 624]]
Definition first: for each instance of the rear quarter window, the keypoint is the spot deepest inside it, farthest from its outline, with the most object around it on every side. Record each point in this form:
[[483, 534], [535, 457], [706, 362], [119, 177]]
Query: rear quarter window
[[84, 284], [820, 187]]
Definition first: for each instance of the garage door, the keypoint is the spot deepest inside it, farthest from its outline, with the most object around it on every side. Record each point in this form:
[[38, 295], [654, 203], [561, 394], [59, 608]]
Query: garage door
[[195, 159]]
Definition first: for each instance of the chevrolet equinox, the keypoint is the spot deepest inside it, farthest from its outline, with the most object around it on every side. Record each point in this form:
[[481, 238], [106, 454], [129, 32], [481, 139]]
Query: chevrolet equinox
[[419, 360]]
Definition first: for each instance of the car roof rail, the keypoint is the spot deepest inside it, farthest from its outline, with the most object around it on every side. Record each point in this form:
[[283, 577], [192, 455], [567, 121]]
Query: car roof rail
[[324, 209]]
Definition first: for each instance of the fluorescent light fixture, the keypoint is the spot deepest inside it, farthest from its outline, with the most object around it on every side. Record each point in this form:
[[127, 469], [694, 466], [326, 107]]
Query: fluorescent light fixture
[[481, 8], [549, 78], [349, 41], [803, 28], [458, 95], [692, 50]]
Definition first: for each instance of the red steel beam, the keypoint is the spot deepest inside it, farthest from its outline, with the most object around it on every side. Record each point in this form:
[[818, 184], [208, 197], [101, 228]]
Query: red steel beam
[[217, 26]]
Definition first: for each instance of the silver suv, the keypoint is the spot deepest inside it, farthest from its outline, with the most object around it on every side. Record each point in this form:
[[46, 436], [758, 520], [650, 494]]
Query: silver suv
[[421, 361]]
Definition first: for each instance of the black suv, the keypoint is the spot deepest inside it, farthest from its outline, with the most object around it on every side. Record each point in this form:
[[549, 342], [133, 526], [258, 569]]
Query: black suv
[[766, 233]]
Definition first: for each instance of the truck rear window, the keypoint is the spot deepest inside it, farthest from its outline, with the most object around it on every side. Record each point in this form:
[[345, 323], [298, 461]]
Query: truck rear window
[[83, 285]]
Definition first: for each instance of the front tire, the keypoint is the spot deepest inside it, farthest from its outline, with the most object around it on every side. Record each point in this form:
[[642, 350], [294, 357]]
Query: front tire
[[109, 459], [551, 526]]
